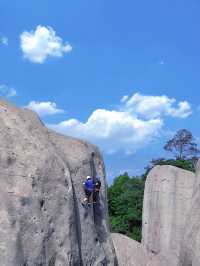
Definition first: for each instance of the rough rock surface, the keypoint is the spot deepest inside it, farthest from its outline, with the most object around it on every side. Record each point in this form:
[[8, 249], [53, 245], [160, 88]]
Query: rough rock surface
[[190, 251], [129, 252], [164, 259], [167, 200], [42, 221]]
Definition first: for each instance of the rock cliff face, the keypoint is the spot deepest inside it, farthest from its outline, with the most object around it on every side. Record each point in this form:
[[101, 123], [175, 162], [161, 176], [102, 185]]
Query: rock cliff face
[[167, 201], [129, 252], [42, 220], [164, 259], [190, 252], [171, 221]]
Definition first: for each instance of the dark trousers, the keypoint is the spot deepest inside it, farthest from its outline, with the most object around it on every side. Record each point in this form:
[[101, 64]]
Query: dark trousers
[[96, 195], [88, 194]]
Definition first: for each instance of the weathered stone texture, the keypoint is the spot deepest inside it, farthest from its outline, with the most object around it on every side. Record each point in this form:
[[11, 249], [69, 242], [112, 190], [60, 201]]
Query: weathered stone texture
[[129, 252], [42, 221], [167, 201]]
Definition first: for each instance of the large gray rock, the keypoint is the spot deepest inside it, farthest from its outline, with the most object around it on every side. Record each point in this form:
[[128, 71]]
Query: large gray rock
[[164, 259], [42, 221], [129, 252], [190, 252], [167, 200]]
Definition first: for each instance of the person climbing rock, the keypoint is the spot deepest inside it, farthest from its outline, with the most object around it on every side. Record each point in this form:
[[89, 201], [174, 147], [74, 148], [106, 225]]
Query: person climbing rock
[[89, 188], [97, 187]]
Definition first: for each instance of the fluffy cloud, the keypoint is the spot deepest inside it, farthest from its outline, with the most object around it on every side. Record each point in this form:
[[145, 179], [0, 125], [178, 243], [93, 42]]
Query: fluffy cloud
[[4, 40], [112, 130], [42, 43], [183, 111], [156, 106], [7, 91], [124, 98], [137, 122], [44, 108]]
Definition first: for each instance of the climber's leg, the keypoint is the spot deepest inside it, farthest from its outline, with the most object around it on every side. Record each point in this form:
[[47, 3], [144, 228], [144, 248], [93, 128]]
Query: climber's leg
[[88, 195], [88, 200]]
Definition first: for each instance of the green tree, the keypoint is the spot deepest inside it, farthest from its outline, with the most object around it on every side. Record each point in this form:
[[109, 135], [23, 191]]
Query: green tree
[[182, 145], [125, 198]]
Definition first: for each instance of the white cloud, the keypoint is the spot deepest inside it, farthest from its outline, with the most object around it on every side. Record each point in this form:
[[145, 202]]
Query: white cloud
[[183, 111], [42, 43], [112, 130], [139, 120], [124, 98], [44, 108], [156, 106], [7, 91], [4, 40]]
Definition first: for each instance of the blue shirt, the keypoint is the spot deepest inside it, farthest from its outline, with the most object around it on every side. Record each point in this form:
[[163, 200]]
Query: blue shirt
[[89, 185]]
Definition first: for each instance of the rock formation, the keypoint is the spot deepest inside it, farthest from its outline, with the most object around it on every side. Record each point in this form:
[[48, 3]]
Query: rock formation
[[171, 221], [164, 259], [42, 220], [167, 200], [190, 252], [129, 252]]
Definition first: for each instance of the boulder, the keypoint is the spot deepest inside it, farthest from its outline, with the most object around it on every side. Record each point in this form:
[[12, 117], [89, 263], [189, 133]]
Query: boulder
[[42, 221], [129, 252], [164, 259], [167, 201], [190, 250]]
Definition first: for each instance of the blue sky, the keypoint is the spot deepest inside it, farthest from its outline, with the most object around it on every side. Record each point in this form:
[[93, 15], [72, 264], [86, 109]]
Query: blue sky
[[74, 61]]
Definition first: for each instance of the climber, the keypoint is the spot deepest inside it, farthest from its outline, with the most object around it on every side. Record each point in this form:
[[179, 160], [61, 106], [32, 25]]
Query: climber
[[89, 188], [97, 187]]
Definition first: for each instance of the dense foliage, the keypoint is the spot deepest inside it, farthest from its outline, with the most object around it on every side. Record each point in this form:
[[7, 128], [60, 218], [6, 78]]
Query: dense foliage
[[125, 205]]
